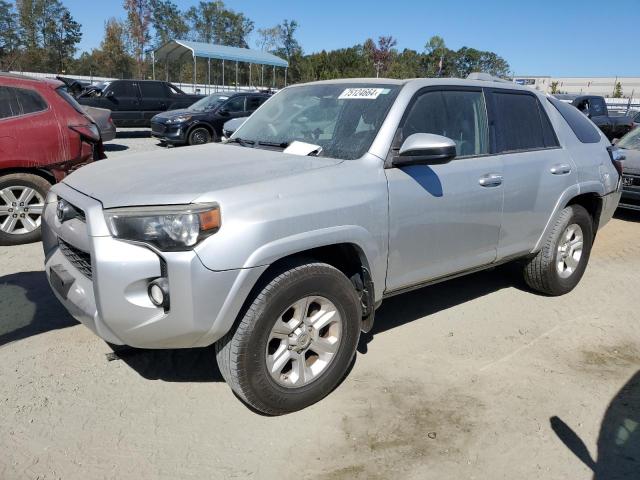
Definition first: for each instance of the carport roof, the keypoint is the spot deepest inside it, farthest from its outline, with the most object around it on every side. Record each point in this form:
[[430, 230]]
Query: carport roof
[[175, 49]]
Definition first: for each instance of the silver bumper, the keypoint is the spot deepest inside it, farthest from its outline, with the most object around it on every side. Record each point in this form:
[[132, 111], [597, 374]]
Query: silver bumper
[[111, 297]]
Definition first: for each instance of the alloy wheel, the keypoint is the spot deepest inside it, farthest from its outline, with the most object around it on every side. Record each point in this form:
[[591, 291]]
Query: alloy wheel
[[569, 250], [21, 209]]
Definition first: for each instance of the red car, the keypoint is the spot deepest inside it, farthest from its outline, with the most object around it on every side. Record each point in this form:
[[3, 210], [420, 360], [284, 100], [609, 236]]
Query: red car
[[44, 135]]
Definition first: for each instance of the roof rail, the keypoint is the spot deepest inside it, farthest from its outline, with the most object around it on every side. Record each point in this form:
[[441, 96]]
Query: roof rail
[[485, 77]]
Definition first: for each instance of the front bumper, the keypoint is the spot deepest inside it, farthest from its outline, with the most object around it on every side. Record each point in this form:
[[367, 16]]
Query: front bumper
[[109, 295], [168, 133]]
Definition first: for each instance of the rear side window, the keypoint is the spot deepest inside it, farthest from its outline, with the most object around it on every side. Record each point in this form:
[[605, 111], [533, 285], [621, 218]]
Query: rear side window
[[9, 106], [152, 89], [30, 101], [123, 89], [521, 124], [581, 126]]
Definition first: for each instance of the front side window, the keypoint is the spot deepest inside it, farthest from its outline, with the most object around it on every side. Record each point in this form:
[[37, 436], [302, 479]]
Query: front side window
[[9, 106], [123, 89], [520, 123], [254, 102], [235, 105], [458, 115], [597, 107], [342, 118], [152, 89]]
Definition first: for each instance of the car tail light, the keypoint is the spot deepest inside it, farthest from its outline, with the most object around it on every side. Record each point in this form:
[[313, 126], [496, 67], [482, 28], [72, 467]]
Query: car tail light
[[617, 157], [89, 131]]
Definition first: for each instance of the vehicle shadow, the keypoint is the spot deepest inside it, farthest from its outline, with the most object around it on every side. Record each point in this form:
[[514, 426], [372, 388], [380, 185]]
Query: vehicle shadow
[[28, 307], [407, 307], [114, 147], [619, 438], [627, 215], [133, 133]]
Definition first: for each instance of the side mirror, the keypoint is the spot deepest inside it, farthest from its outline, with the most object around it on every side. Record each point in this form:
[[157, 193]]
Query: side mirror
[[109, 94], [425, 149]]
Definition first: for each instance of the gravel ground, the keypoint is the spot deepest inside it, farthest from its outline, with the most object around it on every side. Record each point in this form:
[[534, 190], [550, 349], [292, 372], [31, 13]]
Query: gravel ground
[[476, 378]]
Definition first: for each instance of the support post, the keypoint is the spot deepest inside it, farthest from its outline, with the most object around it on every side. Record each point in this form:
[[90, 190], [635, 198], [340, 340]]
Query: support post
[[236, 75], [274, 77], [153, 63], [194, 73], [208, 75], [250, 68], [223, 75], [166, 69], [262, 75], [285, 76]]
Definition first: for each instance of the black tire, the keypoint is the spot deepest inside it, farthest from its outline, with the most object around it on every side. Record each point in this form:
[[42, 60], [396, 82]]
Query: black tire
[[241, 354], [199, 136], [541, 272], [37, 183]]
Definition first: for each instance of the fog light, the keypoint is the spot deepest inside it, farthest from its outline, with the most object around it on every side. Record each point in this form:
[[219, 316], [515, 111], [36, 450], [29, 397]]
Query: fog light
[[159, 293]]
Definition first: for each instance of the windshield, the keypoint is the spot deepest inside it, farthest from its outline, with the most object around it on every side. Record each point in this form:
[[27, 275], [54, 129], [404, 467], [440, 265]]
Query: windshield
[[342, 118], [208, 103], [631, 140]]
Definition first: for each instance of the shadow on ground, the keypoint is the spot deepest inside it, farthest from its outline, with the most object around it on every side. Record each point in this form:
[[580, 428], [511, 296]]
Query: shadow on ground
[[629, 216], [130, 133], [114, 147], [28, 307], [619, 438]]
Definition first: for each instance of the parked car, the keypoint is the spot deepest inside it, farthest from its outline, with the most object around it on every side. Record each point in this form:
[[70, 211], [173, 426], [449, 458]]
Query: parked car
[[134, 102], [102, 119], [231, 126], [630, 146], [44, 135], [279, 245], [202, 122], [595, 108]]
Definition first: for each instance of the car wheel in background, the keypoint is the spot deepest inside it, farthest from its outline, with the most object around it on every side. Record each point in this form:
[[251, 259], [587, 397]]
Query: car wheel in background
[[199, 136], [295, 341], [559, 265], [22, 198]]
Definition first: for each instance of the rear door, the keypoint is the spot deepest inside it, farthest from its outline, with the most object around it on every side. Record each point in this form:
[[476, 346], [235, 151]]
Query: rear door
[[122, 97], [234, 107], [253, 102], [536, 169], [154, 99], [9, 112]]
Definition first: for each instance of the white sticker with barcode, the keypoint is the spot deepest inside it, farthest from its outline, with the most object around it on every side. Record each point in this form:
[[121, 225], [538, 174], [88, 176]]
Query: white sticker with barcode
[[361, 93]]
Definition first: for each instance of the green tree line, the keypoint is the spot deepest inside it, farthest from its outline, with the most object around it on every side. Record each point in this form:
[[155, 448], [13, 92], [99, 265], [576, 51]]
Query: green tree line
[[42, 35]]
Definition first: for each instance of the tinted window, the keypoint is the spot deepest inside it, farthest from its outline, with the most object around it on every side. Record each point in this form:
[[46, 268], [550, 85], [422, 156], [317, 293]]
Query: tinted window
[[520, 124], [581, 126], [236, 104], [152, 89], [30, 101], [70, 100], [254, 102], [8, 103], [123, 89], [597, 106], [458, 115]]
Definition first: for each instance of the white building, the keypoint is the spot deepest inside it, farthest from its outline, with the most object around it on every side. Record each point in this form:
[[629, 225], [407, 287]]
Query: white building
[[587, 85]]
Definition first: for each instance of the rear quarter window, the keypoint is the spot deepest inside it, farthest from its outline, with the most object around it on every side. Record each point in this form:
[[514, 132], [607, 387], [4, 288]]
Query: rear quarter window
[[30, 101], [9, 106], [586, 131]]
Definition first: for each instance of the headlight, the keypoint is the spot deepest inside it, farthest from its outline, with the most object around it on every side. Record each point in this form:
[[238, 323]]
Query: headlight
[[180, 119], [167, 228]]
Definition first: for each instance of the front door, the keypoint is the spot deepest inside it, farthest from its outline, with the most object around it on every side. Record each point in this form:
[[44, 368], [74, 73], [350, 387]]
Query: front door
[[123, 99], [444, 218]]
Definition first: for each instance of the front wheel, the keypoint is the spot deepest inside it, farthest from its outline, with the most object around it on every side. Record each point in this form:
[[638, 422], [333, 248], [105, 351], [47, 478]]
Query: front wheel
[[559, 265], [21, 205], [199, 136], [295, 342]]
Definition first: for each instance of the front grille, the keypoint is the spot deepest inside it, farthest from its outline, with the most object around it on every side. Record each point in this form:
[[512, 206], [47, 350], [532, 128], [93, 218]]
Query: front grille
[[631, 180], [158, 128], [78, 258]]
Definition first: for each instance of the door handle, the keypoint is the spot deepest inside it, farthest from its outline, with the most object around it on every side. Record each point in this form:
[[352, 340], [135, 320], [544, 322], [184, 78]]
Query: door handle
[[561, 169], [490, 180]]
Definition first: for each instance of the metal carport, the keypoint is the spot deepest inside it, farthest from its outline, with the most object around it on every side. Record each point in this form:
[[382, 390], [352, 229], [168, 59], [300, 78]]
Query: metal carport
[[178, 49]]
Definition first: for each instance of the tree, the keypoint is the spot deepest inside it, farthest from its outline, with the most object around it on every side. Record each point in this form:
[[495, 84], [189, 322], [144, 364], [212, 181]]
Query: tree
[[10, 35], [168, 22], [617, 91], [554, 87], [138, 23], [212, 22], [382, 54], [268, 39], [112, 59], [65, 34]]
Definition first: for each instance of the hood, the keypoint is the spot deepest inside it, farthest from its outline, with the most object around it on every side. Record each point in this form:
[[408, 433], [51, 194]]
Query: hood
[[175, 113], [631, 163], [179, 176]]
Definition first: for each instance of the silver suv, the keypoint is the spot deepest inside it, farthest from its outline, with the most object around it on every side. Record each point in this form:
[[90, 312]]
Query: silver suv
[[279, 246]]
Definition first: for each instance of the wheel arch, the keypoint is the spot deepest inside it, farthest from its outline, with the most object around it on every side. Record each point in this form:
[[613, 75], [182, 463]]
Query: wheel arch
[[40, 172]]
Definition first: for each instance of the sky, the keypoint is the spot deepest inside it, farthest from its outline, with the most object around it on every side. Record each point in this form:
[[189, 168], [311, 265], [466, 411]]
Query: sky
[[539, 37]]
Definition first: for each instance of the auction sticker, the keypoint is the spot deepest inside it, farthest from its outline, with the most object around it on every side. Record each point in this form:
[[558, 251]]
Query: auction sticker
[[366, 93]]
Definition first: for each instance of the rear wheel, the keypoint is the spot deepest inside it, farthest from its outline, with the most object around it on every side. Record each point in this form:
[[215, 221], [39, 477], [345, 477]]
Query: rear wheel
[[559, 265], [21, 205], [295, 342], [199, 136]]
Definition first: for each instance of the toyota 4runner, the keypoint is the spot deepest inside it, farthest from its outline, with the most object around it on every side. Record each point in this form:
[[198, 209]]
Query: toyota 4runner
[[279, 245]]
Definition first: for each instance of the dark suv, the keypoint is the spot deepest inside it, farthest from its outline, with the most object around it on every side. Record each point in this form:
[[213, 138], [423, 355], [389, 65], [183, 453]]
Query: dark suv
[[202, 122], [134, 102]]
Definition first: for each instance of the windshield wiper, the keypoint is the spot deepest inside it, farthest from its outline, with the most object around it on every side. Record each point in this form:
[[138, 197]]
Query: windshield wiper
[[274, 144], [240, 141]]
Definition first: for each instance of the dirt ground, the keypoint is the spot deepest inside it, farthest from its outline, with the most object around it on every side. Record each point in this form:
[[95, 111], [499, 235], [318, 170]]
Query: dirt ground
[[476, 378]]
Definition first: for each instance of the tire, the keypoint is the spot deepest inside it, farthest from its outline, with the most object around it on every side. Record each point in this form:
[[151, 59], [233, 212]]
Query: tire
[[245, 353], [20, 222], [554, 270], [199, 136]]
